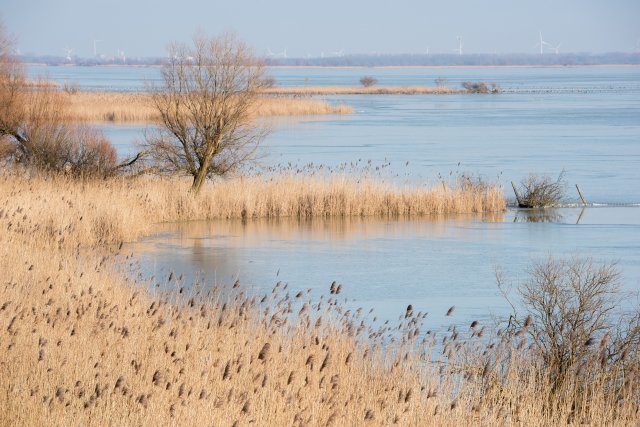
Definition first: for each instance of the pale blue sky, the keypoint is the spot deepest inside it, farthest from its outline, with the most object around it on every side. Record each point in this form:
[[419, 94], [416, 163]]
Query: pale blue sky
[[143, 28]]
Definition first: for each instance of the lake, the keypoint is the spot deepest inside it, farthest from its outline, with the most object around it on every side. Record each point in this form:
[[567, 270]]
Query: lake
[[583, 120]]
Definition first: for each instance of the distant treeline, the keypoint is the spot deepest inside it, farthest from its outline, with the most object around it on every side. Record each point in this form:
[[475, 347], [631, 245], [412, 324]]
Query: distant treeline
[[380, 60]]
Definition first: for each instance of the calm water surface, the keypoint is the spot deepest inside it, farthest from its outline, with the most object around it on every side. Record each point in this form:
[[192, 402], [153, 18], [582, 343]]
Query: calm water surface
[[432, 263]]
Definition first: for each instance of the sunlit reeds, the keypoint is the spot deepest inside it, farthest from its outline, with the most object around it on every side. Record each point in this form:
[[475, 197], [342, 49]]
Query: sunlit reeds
[[123, 209], [136, 107], [83, 345]]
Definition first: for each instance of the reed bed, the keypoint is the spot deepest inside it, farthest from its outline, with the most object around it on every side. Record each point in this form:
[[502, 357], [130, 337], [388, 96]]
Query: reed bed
[[85, 341], [84, 345], [137, 107], [123, 209], [362, 90]]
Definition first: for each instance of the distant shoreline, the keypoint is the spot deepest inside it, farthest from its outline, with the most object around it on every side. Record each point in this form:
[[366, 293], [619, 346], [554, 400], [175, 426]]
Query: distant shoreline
[[361, 66]]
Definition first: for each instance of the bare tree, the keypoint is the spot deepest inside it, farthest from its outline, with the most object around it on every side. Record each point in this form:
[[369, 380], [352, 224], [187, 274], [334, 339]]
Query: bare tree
[[570, 312], [205, 107], [12, 81]]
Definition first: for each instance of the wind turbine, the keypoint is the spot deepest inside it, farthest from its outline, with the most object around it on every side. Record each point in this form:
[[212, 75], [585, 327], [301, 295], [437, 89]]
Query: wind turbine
[[282, 54], [542, 43], [556, 48], [95, 47], [68, 52], [459, 49], [120, 54]]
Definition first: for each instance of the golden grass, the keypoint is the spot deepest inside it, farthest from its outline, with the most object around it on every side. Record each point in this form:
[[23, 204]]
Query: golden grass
[[124, 209], [361, 90], [84, 345], [137, 107]]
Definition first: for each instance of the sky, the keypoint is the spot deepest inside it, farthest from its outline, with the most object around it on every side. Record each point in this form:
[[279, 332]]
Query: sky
[[309, 28]]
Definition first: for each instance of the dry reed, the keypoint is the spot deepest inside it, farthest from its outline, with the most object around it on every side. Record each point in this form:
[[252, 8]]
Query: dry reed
[[137, 107], [123, 209], [83, 344]]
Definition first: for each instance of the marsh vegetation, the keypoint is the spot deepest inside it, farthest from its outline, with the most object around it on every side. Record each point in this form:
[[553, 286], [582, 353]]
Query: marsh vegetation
[[87, 340], [84, 343]]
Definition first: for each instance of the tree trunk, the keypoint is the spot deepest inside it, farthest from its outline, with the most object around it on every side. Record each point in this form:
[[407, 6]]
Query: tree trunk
[[198, 180]]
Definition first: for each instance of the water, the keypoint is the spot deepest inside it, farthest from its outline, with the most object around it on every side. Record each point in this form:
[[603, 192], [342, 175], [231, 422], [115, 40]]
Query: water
[[523, 79], [387, 264], [583, 120], [594, 138]]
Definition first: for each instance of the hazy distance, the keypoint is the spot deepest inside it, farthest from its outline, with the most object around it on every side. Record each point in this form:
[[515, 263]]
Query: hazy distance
[[143, 28]]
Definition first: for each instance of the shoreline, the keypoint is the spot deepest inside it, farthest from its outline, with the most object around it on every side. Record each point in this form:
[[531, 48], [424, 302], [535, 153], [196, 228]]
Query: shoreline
[[39, 64]]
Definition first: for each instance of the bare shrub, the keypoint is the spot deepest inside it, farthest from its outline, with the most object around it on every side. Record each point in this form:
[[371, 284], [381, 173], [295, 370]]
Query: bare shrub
[[205, 106], [91, 155], [476, 87], [368, 81], [569, 314], [12, 81], [41, 138], [35, 129], [541, 191]]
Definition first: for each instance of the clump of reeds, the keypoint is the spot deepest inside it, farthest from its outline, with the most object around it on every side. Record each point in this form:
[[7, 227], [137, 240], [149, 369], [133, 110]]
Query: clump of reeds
[[66, 213]]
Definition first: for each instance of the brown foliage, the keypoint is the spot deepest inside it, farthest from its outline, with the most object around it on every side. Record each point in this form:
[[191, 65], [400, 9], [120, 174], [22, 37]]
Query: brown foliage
[[35, 129]]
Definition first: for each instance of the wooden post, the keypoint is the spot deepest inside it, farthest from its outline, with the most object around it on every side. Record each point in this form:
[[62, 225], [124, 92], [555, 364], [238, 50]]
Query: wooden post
[[515, 190], [444, 186], [584, 202], [580, 216]]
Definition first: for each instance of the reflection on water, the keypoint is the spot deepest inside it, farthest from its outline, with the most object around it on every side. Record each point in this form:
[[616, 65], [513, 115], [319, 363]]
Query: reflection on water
[[540, 215], [545, 215], [431, 263]]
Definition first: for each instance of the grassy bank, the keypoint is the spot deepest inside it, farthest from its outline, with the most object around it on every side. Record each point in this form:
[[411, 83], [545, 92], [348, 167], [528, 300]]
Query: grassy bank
[[83, 345], [123, 209], [137, 107]]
